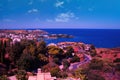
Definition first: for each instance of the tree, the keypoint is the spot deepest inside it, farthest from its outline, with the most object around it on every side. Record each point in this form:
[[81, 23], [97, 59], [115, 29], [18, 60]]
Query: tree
[[55, 54], [117, 67], [92, 76], [41, 47], [43, 59], [69, 51], [117, 60], [17, 50], [96, 64], [21, 75], [41, 53], [66, 64], [25, 42], [3, 77], [27, 62], [81, 73], [32, 50], [2, 51], [75, 59], [49, 66], [92, 51], [26, 50], [3, 70], [54, 50], [55, 71], [63, 74], [57, 61]]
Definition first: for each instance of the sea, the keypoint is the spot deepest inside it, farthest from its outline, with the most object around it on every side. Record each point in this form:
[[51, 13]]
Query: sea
[[100, 38]]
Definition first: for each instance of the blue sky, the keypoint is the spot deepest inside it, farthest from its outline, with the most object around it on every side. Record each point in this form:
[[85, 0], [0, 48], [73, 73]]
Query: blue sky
[[99, 14]]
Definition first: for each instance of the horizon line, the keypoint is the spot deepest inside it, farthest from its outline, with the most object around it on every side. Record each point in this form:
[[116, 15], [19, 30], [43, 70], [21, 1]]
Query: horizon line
[[54, 28]]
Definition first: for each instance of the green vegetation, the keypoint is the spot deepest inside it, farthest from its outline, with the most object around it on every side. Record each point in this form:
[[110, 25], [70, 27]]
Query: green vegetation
[[117, 67], [93, 51], [3, 77], [54, 50], [93, 76], [69, 51], [28, 56], [81, 73], [117, 60], [66, 65], [96, 64], [26, 62], [55, 71], [75, 59], [21, 75]]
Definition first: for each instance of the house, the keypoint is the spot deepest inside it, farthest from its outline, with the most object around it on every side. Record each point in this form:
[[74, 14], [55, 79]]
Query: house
[[32, 78], [42, 76], [16, 40]]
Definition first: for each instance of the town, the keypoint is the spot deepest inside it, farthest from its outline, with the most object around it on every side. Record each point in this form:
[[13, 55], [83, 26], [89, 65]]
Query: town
[[18, 35]]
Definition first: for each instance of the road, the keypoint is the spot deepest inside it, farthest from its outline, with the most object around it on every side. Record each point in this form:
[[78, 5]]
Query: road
[[76, 65]]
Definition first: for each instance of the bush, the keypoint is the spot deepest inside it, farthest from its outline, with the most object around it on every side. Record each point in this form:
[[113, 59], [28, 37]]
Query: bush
[[96, 64], [63, 74], [49, 66], [75, 59], [117, 67], [54, 50], [66, 64], [27, 62], [3, 77], [2, 69], [57, 61], [69, 52], [55, 71], [21, 75], [92, 76], [116, 60], [81, 73]]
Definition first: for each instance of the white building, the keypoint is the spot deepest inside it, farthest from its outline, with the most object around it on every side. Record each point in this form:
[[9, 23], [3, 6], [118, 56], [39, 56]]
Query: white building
[[12, 78], [42, 76], [16, 40]]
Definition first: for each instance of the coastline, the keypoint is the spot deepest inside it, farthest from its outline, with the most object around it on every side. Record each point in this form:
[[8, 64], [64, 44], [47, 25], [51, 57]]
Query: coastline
[[64, 55], [101, 38]]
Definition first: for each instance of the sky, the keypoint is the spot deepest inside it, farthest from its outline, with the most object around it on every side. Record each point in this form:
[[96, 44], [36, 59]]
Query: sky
[[88, 14]]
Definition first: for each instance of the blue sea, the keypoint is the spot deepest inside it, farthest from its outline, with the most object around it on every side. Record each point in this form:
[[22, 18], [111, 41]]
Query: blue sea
[[105, 38]]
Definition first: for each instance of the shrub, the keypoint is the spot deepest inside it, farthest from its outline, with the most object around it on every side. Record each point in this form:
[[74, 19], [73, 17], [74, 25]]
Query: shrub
[[116, 60], [117, 67], [75, 59], [21, 75], [3, 77], [96, 64], [55, 71], [92, 76]]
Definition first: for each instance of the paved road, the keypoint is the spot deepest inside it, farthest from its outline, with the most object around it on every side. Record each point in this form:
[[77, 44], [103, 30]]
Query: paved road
[[76, 65]]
